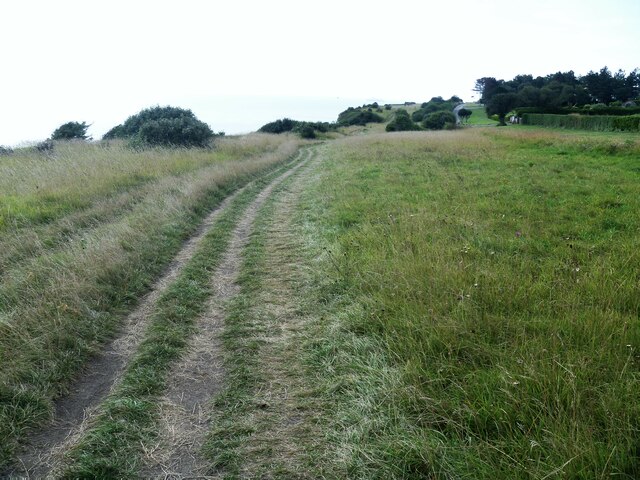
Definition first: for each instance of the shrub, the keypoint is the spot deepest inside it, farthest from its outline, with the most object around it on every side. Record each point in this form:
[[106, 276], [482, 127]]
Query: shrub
[[116, 132], [307, 131], [168, 132], [279, 126], [418, 115], [627, 124], [401, 123], [356, 116], [323, 126], [164, 126], [439, 120], [45, 146], [5, 151], [71, 131]]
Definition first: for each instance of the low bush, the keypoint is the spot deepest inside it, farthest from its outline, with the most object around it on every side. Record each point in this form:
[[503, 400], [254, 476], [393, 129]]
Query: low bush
[[183, 131], [164, 126], [5, 151], [45, 146], [308, 132], [305, 129], [401, 122], [630, 123], [356, 116], [439, 121], [279, 126]]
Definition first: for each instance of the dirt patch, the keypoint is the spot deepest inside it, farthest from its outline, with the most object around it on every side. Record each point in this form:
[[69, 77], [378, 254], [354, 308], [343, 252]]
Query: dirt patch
[[198, 376], [73, 411]]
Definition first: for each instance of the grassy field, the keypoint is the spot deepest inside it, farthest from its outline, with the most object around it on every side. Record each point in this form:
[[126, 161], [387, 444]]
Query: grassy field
[[480, 302], [83, 233], [456, 304], [479, 115]]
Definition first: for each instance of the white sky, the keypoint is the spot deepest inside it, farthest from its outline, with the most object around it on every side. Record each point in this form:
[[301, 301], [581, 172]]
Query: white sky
[[239, 64]]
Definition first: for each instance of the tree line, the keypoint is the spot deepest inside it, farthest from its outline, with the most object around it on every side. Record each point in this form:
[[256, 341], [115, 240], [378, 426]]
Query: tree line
[[559, 90]]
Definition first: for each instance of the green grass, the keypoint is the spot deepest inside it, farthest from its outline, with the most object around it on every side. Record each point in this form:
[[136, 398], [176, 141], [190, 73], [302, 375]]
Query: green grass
[[89, 231], [234, 407], [481, 304], [479, 115], [112, 447], [241, 412]]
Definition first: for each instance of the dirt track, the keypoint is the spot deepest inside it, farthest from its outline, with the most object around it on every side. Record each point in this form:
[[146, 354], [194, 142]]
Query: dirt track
[[199, 375]]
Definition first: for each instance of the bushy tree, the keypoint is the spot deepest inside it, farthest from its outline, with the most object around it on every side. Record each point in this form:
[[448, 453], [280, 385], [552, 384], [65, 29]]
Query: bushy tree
[[71, 131], [564, 89], [164, 126], [439, 120], [464, 114], [501, 104]]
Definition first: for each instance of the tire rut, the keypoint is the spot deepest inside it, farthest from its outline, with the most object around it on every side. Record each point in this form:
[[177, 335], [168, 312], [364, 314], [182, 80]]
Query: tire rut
[[198, 377], [73, 411]]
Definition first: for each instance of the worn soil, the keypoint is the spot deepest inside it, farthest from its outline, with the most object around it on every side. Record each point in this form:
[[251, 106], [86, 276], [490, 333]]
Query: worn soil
[[198, 376]]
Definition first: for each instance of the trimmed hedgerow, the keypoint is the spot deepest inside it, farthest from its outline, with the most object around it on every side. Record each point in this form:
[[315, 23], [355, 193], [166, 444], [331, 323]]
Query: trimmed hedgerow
[[602, 123]]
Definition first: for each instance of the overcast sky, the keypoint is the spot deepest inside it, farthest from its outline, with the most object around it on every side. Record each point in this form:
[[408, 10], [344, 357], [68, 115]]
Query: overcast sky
[[240, 63]]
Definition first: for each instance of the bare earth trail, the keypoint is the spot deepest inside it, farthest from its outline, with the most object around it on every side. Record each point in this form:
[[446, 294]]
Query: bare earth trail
[[73, 411], [198, 376]]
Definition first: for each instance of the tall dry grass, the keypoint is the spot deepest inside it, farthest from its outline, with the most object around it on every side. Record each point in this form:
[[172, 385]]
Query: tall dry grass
[[84, 233]]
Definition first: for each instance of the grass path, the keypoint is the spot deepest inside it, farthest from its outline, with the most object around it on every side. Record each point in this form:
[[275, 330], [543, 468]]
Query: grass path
[[264, 421], [198, 376]]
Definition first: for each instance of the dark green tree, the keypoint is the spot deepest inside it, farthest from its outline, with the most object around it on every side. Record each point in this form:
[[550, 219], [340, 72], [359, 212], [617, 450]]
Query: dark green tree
[[464, 114], [71, 131], [501, 104], [487, 87], [600, 85]]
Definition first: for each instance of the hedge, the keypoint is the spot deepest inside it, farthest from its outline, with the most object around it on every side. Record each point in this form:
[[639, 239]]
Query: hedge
[[602, 123], [584, 110]]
